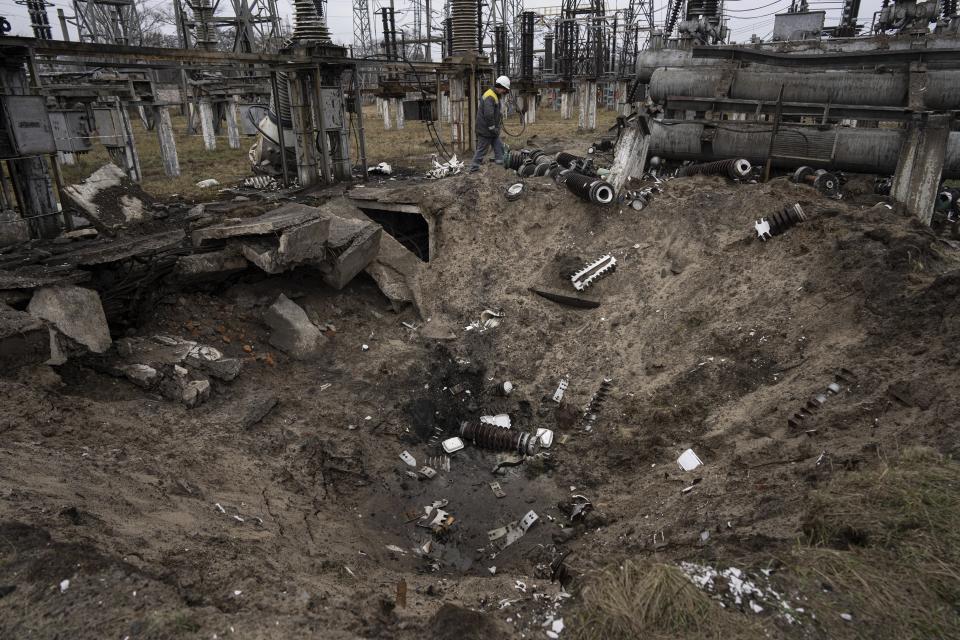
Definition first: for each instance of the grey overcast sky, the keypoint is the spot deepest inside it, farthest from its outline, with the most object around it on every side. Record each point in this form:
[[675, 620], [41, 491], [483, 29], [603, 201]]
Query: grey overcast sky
[[746, 17]]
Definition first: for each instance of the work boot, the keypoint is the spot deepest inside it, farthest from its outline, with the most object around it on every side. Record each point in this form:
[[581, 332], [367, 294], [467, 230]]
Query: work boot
[[474, 168]]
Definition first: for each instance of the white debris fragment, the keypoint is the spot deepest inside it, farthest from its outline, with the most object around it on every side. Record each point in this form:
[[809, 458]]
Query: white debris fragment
[[452, 445], [396, 549], [545, 436], [209, 182], [408, 458], [847, 617], [489, 319], [688, 460], [443, 169], [382, 169], [64, 585], [741, 591]]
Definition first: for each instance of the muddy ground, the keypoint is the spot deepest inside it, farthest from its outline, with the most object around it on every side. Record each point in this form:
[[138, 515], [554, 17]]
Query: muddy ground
[[177, 523]]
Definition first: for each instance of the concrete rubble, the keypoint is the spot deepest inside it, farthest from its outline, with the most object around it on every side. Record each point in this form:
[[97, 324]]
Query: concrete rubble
[[291, 330], [77, 322], [109, 198], [177, 368]]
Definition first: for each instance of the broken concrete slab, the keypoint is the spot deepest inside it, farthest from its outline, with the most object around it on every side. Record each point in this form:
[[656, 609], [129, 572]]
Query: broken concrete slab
[[255, 408], [395, 268], [206, 267], [353, 244], [109, 198], [75, 312], [295, 245], [24, 340], [104, 252], [292, 332], [289, 215], [160, 350]]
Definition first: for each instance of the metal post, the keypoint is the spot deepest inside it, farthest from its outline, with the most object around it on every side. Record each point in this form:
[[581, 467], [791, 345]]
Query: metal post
[[358, 107], [325, 160], [773, 136], [275, 89]]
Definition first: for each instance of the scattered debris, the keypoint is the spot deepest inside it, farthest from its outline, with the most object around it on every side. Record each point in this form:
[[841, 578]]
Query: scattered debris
[[489, 319], [64, 585], [823, 181], [449, 168], [209, 182], [545, 436], [688, 460], [452, 445], [566, 298], [380, 169], [505, 536], [736, 589], [593, 271], [592, 407], [262, 183], [408, 458], [497, 490], [514, 191], [561, 388]]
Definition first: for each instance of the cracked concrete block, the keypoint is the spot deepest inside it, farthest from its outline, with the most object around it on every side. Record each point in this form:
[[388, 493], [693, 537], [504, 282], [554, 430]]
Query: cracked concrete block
[[24, 340], [353, 245], [294, 245], [75, 312], [205, 267], [291, 330], [285, 217], [142, 375], [178, 385]]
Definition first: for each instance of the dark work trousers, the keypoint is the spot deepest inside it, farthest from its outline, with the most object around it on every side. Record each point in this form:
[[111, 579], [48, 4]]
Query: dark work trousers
[[482, 145]]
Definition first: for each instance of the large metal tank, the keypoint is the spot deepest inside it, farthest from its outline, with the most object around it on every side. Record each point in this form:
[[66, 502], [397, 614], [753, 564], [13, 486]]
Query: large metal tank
[[857, 150], [871, 88]]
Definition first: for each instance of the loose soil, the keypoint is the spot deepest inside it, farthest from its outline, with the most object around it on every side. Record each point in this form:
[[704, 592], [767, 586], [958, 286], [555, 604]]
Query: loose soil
[[176, 523]]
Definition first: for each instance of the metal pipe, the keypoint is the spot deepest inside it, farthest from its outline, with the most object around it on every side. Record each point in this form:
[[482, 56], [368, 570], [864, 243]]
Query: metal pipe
[[868, 88], [856, 150]]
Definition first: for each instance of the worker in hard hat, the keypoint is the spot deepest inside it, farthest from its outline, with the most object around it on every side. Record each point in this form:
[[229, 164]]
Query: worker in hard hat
[[488, 123]]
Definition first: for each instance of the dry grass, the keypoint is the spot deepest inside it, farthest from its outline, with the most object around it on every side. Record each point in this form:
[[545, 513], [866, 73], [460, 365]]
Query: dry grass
[[409, 147], [649, 600], [887, 544], [412, 147], [196, 163]]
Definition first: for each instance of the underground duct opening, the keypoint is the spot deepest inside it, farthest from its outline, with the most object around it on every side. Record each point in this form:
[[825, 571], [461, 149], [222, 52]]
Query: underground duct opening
[[409, 229]]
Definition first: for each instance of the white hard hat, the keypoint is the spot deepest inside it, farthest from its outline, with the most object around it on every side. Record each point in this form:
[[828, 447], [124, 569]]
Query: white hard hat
[[503, 81]]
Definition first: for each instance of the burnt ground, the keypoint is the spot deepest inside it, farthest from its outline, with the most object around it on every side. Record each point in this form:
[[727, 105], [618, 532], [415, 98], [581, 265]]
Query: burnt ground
[[712, 339]]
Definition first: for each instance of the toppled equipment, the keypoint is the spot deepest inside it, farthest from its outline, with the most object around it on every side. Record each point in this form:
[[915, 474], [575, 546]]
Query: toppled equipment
[[593, 271], [592, 408], [820, 179], [591, 189], [779, 221], [488, 436], [736, 169]]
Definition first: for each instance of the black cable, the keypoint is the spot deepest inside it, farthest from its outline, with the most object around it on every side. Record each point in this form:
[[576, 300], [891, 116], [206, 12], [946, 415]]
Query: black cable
[[257, 126]]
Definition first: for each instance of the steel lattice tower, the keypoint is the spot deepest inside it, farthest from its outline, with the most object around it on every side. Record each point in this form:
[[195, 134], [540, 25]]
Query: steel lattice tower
[[362, 33]]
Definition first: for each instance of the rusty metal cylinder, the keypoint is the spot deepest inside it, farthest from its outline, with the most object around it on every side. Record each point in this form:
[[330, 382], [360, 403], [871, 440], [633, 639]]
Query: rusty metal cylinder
[[735, 169], [488, 436]]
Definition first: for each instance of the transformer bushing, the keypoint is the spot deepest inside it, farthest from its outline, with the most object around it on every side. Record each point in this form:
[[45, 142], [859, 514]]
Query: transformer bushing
[[488, 436], [779, 222], [310, 25], [589, 188], [735, 169], [463, 16], [823, 181]]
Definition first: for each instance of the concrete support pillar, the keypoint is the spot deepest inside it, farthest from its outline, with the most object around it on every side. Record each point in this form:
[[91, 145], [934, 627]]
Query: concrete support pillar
[[622, 95], [587, 90], [34, 190], [566, 105], [444, 107], [130, 159], [385, 113], [322, 123], [630, 155], [458, 113], [206, 125], [232, 114], [398, 107], [527, 103], [302, 117], [168, 145], [920, 166]]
